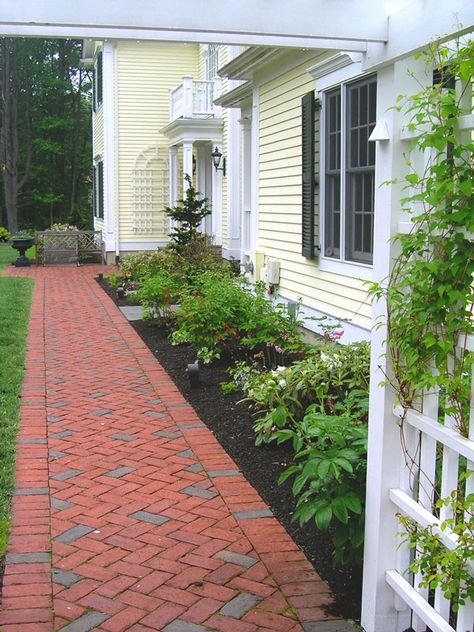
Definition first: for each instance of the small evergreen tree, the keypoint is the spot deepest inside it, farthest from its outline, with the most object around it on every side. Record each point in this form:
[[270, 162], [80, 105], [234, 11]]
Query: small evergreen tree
[[188, 213]]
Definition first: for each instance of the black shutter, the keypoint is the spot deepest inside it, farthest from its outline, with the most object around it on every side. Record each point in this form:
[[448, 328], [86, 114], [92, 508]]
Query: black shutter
[[99, 78], [94, 190], [308, 166], [100, 189]]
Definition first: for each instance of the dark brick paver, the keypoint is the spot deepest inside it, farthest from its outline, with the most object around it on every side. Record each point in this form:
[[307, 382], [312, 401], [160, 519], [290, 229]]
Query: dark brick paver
[[138, 520]]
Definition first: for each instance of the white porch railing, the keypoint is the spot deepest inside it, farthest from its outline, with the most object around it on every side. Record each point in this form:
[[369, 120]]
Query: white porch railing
[[195, 99]]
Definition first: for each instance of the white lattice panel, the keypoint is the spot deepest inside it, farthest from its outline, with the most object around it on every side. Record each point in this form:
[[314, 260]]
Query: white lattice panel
[[150, 192]]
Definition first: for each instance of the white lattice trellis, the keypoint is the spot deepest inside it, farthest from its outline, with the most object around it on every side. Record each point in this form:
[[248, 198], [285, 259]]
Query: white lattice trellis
[[150, 191], [406, 476]]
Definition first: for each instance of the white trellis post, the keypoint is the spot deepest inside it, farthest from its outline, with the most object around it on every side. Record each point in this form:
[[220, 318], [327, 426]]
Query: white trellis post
[[380, 609], [392, 598]]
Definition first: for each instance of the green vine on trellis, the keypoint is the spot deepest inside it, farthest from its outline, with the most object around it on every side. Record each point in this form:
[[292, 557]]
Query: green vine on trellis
[[429, 294]]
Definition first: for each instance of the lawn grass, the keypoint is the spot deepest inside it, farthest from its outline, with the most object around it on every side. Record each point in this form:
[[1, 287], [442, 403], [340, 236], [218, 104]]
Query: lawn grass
[[15, 305], [9, 254]]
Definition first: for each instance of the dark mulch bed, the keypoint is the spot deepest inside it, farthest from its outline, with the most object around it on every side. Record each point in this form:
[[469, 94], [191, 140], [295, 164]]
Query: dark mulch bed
[[231, 422]]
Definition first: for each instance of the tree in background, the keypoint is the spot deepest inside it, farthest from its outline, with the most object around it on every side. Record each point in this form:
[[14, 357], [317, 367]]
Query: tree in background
[[45, 134]]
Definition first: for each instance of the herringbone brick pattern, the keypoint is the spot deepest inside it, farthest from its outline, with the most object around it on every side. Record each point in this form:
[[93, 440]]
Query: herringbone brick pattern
[[128, 514]]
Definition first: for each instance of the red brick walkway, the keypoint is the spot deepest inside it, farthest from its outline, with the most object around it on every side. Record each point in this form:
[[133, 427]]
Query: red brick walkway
[[128, 514]]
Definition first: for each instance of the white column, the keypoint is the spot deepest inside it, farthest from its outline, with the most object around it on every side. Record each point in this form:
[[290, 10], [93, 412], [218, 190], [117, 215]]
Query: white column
[[216, 202], [384, 449], [246, 185], [173, 181], [203, 181], [109, 113], [234, 205], [255, 176], [173, 175], [187, 162], [187, 97]]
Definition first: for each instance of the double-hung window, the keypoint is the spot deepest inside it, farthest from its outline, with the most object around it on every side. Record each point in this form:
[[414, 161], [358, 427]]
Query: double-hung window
[[98, 189], [212, 61], [349, 113], [98, 82]]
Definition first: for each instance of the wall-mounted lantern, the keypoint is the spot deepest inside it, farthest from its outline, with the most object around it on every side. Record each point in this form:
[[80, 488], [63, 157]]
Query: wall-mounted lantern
[[216, 160]]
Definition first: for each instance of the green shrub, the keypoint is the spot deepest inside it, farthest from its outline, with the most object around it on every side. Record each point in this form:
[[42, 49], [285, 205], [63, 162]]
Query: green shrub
[[330, 471], [326, 375], [158, 293], [221, 314], [195, 257], [114, 279], [320, 404], [58, 227], [137, 267], [4, 234]]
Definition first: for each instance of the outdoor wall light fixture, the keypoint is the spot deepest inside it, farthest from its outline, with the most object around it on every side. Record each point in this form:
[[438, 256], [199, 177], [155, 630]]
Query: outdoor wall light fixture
[[216, 160]]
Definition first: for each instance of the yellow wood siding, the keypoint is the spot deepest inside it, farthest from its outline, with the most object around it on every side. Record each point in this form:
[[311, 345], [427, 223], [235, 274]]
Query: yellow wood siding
[[145, 73], [279, 230]]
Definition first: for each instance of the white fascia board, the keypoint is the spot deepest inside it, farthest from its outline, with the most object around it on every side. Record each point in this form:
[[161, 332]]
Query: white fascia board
[[242, 66], [137, 246], [310, 317], [192, 130], [233, 23], [417, 25], [333, 63], [234, 98]]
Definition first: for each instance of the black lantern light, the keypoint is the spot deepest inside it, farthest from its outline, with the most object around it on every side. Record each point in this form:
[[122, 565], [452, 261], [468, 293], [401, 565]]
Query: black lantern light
[[216, 160]]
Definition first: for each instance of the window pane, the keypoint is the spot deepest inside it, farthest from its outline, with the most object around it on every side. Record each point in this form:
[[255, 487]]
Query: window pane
[[371, 150], [372, 100], [363, 99], [357, 244], [363, 147], [359, 211], [332, 216], [354, 107], [354, 148], [368, 237], [332, 213]]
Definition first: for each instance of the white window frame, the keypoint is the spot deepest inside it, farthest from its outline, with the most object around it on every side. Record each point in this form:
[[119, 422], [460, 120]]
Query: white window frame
[[99, 60], [99, 160], [324, 84], [212, 52]]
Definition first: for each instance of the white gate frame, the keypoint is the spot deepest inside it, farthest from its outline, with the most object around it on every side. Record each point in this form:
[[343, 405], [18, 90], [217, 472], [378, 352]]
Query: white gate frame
[[392, 601]]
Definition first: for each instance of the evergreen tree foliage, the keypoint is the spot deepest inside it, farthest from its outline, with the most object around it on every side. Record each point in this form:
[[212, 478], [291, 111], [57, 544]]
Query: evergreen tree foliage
[[188, 215], [45, 137]]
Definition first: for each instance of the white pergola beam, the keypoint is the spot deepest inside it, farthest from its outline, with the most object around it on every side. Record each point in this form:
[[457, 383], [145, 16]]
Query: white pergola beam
[[411, 28], [266, 22]]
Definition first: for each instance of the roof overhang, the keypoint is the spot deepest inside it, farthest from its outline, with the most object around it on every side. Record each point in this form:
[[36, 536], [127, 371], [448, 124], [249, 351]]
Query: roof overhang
[[193, 130], [234, 98], [243, 66]]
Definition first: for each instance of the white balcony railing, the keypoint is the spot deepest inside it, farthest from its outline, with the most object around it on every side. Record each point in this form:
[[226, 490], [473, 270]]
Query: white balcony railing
[[195, 99]]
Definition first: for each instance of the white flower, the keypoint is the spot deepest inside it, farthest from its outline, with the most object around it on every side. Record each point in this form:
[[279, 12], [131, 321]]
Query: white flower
[[282, 383], [279, 369]]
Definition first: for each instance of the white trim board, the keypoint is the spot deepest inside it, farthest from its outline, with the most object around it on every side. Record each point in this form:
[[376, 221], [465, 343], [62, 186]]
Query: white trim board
[[137, 246], [352, 332]]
